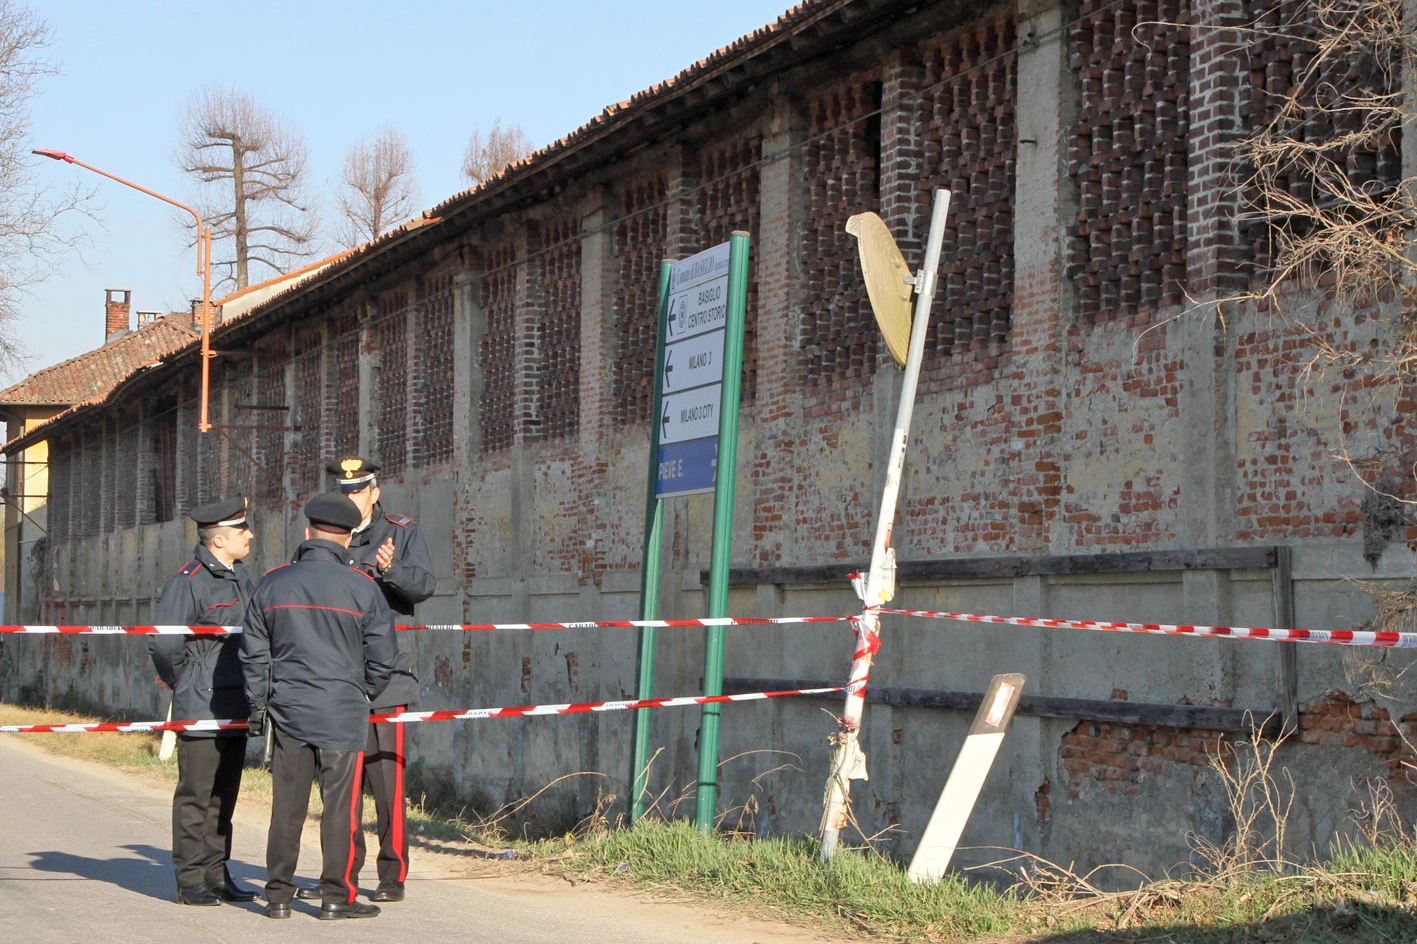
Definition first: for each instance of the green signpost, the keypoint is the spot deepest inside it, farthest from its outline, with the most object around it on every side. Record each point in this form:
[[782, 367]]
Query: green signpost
[[698, 370]]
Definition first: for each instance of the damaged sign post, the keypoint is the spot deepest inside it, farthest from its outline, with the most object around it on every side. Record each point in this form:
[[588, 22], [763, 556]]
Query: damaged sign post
[[889, 286]]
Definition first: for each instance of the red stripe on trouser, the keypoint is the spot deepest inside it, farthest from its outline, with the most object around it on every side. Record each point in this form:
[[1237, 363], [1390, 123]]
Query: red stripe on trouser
[[356, 795], [396, 821]]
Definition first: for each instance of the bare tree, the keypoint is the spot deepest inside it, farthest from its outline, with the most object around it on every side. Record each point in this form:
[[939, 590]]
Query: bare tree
[[252, 171], [487, 157], [377, 187], [32, 231]]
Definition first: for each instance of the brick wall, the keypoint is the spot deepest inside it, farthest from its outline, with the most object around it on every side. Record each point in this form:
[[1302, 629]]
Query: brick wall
[[727, 200], [496, 409], [558, 341], [307, 410], [342, 391], [970, 144], [390, 336], [640, 247], [843, 177], [436, 381], [270, 442], [1128, 158]]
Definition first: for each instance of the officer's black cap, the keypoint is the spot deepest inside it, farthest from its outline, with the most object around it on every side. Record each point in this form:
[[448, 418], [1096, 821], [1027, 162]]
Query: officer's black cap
[[352, 473], [227, 513], [333, 511]]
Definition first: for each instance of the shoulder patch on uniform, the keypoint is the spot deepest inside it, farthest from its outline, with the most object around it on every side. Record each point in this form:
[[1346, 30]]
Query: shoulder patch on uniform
[[190, 568], [402, 521]]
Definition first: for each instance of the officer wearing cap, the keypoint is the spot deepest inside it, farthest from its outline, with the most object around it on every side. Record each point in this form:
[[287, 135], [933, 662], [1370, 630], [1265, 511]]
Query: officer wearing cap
[[318, 647], [388, 547], [204, 673]]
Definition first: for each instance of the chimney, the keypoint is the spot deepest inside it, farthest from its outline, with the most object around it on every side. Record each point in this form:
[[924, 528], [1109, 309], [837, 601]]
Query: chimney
[[116, 322]]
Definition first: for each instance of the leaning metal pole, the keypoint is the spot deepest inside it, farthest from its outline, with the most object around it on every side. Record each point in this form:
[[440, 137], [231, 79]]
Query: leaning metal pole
[[848, 762]]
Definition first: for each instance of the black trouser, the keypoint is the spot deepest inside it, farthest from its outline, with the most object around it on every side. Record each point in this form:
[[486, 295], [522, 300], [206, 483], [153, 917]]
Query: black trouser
[[208, 780], [293, 766], [384, 761]]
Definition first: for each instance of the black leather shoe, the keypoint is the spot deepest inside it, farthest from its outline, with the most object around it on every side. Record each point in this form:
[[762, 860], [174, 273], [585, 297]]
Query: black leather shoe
[[278, 909], [197, 895], [388, 891], [332, 910], [308, 894], [230, 891]]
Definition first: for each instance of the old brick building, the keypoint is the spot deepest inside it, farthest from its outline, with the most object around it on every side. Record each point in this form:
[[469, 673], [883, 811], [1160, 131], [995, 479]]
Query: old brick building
[[1079, 451]]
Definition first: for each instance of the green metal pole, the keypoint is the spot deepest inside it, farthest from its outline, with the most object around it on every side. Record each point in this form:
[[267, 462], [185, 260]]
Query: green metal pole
[[649, 572], [722, 554]]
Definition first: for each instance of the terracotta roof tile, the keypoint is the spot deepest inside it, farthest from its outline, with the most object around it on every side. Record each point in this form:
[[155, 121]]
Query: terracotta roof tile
[[96, 372]]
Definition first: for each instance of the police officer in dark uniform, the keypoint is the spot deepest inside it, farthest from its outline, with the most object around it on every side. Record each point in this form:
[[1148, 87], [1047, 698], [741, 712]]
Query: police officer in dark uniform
[[318, 647], [388, 547], [204, 673]]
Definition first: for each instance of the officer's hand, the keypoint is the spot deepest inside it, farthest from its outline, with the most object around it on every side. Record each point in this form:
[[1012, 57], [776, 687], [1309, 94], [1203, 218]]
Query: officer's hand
[[384, 557], [161, 683], [256, 724]]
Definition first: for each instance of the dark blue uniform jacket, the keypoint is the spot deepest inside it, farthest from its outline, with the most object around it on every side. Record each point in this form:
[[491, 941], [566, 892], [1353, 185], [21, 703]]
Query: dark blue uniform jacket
[[409, 581], [204, 672], [319, 644]]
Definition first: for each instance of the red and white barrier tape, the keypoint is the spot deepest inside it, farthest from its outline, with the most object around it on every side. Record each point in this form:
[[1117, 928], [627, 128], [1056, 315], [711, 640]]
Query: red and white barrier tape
[[1335, 637], [126, 630], [441, 627], [410, 717]]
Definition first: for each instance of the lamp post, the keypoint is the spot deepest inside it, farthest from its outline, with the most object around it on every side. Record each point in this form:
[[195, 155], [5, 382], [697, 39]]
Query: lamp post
[[204, 265]]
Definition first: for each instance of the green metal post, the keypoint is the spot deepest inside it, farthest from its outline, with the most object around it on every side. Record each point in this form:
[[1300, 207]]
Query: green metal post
[[722, 554], [649, 573]]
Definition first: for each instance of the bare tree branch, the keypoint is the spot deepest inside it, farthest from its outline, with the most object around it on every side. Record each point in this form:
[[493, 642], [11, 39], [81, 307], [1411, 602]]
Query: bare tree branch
[[487, 157], [377, 187], [256, 185]]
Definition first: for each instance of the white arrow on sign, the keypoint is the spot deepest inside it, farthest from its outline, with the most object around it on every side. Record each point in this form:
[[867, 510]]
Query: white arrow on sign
[[699, 310], [690, 415], [694, 362]]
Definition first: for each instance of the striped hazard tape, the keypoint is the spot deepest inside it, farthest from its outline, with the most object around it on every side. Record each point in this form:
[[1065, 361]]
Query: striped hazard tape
[[439, 627], [1334, 637], [411, 717]]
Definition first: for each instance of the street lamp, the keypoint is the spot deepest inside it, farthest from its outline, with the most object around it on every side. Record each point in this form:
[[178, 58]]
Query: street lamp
[[204, 265]]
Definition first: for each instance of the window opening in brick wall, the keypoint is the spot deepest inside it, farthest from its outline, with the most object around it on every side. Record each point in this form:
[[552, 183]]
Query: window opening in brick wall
[[209, 479], [838, 330], [309, 401], [270, 391], [125, 498], [970, 149], [163, 426], [436, 383], [558, 387], [1281, 52], [188, 457], [107, 479], [1127, 156], [391, 342], [90, 495], [641, 233], [728, 201], [343, 397], [241, 443], [61, 473], [496, 411]]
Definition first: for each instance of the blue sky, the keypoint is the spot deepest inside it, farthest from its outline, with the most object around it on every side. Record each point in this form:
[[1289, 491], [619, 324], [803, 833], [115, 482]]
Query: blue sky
[[336, 72]]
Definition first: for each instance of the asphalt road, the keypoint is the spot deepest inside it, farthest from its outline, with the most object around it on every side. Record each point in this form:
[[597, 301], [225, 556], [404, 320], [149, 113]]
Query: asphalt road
[[84, 857]]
